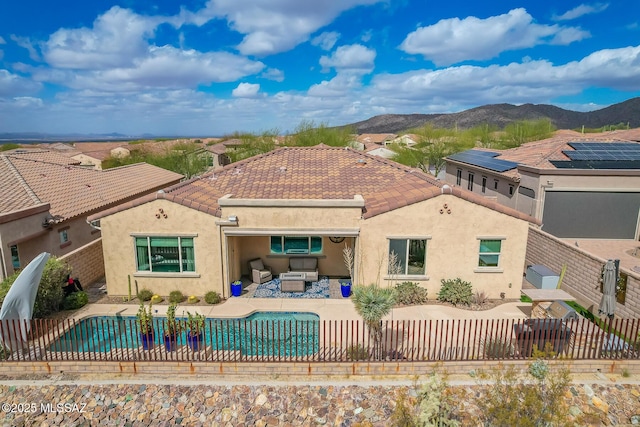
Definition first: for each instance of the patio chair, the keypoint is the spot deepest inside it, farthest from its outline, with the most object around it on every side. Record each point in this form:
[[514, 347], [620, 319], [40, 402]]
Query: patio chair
[[260, 273]]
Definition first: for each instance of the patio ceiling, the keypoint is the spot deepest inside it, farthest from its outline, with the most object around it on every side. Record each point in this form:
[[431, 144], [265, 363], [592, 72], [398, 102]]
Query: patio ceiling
[[340, 232]]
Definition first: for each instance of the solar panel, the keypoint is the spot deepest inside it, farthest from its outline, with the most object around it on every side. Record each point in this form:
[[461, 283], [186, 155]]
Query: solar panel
[[599, 151], [483, 159]]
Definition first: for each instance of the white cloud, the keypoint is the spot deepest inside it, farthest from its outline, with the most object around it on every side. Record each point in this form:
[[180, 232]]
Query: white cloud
[[24, 42], [326, 40], [339, 86], [164, 67], [27, 102], [354, 58], [2, 40], [533, 81], [12, 85], [583, 9], [455, 40], [246, 90], [273, 74], [271, 27], [117, 39]]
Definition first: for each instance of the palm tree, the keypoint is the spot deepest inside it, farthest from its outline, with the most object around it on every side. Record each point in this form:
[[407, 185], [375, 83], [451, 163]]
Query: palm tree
[[373, 303]]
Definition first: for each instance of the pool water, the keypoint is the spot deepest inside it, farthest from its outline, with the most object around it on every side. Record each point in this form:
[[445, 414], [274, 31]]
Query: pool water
[[260, 334]]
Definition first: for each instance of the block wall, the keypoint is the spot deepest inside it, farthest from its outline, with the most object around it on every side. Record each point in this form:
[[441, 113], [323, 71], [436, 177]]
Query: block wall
[[582, 276]]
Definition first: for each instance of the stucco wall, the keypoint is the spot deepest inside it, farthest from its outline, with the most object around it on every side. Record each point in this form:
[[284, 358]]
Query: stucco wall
[[79, 234], [119, 251], [453, 247], [582, 276], [87, 262]]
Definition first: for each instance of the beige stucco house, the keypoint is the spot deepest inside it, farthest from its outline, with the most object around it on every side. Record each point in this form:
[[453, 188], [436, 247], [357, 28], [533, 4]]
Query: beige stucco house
[[45, 198], [199, 235], [547, 179]]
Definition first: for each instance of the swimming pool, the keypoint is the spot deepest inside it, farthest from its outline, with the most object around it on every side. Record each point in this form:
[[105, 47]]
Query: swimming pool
[[260, 334]]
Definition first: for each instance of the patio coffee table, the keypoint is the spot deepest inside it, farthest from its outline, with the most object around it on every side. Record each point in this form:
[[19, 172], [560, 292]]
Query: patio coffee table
[[292, 282]]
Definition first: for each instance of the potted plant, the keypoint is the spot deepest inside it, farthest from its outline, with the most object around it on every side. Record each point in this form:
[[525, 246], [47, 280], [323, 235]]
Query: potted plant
[[347, 255], [195, 322], [145, 326], [236, 288], [172, 330]]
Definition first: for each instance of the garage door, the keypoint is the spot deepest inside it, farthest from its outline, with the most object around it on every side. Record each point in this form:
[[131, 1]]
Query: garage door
[[591, 214]]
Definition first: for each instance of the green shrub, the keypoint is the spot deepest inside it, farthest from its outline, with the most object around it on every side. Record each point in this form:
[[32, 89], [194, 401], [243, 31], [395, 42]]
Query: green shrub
[[357, 352], [145, 295], [212, 297], [455, 291], [410, 293], [50, 293], [75, 300], [176, 296], [531, 399]]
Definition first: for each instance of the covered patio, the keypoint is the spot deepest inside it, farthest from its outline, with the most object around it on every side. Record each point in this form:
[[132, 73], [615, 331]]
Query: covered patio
[[277, 248]]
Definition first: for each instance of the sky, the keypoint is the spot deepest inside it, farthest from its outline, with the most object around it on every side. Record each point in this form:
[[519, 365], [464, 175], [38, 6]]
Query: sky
[[214, 67]]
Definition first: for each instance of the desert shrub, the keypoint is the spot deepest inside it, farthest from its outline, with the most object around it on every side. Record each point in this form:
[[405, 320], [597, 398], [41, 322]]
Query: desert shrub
[[145, 295], [193, 299], [433, 406], [75, 300], [497, 348], [455, 291], [176, 297], [357, 352], [212, 297], [156, 299], [480, 298], [531, 399], [410, 293], [50, 293]]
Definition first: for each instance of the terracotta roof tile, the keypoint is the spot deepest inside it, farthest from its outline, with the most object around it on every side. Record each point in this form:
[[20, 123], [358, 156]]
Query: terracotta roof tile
[[311, 173], [73, 190]]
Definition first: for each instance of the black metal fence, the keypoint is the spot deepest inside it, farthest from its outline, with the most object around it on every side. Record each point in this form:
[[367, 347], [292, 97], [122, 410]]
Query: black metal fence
[[238, 340]]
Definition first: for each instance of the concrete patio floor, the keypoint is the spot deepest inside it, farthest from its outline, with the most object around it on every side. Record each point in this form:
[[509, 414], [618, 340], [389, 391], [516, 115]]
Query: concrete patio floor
[[327, 309]]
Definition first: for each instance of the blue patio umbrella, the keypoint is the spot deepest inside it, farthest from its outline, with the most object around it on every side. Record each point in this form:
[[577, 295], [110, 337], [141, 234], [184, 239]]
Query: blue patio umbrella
[[609, 279], [17, 307]]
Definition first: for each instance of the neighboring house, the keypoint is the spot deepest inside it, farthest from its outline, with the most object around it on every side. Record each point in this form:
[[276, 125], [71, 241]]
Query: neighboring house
[[93, 153], [409, 140], [376, 138], [380, 152], [45, 198], [199, 235], [578, 186]]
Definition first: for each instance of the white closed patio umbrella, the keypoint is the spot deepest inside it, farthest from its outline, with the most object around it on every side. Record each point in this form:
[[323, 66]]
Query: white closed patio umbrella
[[17, 307], [609, 279]]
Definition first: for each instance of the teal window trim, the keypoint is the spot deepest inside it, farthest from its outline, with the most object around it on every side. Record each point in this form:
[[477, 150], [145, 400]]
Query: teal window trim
[[489, 253], [164, 254], [295, 245]]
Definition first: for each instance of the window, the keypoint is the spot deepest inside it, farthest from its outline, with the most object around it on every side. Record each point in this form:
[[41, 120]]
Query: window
[[458, 177], [484, 184], [15, 258], [165, 254], [495, 184], [489, 253], [470, 182], [410, 255], [296, 244], [64, 237], [511, 190]]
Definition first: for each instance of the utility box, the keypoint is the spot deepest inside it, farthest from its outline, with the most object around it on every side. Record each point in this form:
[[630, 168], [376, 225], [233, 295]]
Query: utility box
[[542, 277]]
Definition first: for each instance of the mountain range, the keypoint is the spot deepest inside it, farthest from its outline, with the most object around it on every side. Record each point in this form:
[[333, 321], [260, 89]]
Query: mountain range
[[627, 112]]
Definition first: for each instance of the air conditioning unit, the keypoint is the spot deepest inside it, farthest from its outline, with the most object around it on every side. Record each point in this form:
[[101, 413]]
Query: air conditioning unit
[[542, 277]]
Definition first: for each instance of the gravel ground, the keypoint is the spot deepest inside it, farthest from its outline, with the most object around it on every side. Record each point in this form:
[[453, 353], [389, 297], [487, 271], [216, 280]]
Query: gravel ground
[[148, 404]]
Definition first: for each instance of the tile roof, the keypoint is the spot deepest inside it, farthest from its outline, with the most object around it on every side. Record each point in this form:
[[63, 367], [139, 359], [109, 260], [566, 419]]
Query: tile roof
[[42, 155], [73, 190], [378, 138], [539, 154], [320, 173]]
